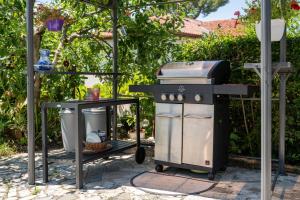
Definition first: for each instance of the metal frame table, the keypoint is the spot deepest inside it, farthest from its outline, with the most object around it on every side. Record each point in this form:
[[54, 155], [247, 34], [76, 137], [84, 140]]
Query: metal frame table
[[80, 159]]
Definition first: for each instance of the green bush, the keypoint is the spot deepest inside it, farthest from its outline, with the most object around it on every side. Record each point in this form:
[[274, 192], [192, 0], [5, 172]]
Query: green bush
[[245, 133]]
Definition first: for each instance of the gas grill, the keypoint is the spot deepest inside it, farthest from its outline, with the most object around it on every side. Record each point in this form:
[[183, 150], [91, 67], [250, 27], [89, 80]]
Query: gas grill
[[192, 114]]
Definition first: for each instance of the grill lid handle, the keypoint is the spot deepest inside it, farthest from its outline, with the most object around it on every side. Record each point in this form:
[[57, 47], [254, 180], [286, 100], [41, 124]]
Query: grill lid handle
[[168, 115], [198, 116]]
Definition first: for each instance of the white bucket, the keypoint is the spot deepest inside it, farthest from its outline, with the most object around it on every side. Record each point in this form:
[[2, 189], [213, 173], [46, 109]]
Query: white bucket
[[95, 119], [67, 121]]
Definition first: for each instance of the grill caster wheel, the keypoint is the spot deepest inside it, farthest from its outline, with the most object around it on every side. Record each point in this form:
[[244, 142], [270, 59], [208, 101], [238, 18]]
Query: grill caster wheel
[[211, 176], [159, 168], [223, 169], [140, 155]]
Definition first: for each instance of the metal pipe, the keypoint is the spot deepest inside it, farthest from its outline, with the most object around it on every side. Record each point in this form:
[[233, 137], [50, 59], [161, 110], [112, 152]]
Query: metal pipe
[[30, 93], [282, 105], [115, 63], [282, 117], [266, 103]]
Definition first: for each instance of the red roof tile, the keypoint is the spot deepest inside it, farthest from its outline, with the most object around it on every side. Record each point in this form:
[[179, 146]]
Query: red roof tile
[[228, 26], [195, 28]]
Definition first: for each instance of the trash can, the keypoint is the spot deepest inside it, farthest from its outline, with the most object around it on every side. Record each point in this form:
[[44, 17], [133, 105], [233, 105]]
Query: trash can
[[67, 122], [95, 120]]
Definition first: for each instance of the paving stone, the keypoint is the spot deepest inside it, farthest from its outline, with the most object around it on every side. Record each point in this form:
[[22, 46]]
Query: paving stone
[[12, 198], [24, 193], [109, 179], [68, 197], [12, 193], [28, 198], [2, 195], [194, 197]]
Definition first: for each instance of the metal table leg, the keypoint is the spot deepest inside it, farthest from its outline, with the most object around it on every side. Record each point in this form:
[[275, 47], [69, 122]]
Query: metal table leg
[[78, 147], [138, 139], [108, 122], [45, 144]]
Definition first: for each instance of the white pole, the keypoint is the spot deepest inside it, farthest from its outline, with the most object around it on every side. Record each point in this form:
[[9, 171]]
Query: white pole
[[266, 103]]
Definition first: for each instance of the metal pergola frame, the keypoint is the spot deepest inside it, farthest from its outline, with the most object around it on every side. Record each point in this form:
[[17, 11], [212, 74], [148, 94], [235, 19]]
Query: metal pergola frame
[[266, 92]]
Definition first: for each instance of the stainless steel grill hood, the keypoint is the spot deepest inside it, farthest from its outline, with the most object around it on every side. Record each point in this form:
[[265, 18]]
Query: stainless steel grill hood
[[197, 72]]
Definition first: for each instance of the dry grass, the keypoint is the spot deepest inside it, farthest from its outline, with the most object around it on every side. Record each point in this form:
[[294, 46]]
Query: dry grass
[[7, 150]]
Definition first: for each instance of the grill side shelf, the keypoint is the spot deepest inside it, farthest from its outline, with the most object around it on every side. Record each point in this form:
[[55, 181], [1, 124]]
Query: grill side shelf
[[142, 88], [236, 89]]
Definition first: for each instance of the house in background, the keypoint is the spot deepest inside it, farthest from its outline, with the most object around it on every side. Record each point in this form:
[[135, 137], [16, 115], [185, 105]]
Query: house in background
[[195, 29], [192, 29]]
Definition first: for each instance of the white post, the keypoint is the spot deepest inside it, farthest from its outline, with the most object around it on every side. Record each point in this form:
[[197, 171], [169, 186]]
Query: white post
[[266, 103]]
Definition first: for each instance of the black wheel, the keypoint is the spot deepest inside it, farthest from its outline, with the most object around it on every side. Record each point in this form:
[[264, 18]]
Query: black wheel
[[211, 176], [223, 169], [159, 168], [106, 157], [140, 155]]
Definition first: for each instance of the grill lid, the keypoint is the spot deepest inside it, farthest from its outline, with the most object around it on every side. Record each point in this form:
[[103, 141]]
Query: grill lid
[[197, 72]]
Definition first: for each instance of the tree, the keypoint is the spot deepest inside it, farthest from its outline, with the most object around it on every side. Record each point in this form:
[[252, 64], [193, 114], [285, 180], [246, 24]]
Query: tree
[[145, 44], [205, 7]]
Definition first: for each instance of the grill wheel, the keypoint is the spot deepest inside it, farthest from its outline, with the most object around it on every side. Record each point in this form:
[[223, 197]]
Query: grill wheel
[[140, 155], [211, 176], [159, 168]]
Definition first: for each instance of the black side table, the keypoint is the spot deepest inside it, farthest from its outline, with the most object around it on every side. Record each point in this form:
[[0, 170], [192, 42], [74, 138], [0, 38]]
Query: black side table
[[80, 158]]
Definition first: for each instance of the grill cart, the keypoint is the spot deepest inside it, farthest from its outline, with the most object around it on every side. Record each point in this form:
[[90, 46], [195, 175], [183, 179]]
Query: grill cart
[[192, 114]]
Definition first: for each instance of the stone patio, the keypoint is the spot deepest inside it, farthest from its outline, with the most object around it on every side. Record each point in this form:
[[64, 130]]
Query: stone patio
[[109, 179]]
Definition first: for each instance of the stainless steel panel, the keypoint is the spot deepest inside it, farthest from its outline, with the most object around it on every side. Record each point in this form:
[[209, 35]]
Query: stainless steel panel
[[188, 69], [168, 132], [198, 128], [192, 80]]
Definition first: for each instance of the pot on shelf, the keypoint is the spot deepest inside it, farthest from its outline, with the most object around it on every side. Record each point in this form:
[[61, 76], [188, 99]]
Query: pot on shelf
[[55, 24], [132, 134]]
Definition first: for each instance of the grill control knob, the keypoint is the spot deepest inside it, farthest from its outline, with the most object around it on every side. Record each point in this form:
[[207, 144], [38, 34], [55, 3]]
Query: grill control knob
[[180, 97], [172, 97], [198, 97], [163, 97]]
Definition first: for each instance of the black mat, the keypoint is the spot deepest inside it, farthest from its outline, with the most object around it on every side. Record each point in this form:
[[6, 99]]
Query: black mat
[[170, 184]]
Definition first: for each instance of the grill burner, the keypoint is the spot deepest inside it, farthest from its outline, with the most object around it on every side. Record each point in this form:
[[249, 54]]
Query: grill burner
[[192, 117]]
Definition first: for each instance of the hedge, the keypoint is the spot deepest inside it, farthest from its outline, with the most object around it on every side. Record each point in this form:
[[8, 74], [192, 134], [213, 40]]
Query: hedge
[[245, 137]]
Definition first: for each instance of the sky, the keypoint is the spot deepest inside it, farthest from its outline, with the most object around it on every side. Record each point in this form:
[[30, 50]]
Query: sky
[[225, 12]]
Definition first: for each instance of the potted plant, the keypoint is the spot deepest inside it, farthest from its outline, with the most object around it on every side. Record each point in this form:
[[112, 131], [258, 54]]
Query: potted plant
[[52, 18]]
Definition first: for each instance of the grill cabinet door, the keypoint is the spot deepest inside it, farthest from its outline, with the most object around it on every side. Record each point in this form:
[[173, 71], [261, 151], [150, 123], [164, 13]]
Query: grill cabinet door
[[168, 132], [198, 126]]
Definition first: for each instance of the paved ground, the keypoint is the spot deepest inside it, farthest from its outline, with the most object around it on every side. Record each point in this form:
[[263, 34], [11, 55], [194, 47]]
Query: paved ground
[[110, 180]]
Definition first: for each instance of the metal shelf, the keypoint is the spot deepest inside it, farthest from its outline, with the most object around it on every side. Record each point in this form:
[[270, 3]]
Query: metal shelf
[[78, 73], [117, 146], [279, 67]]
